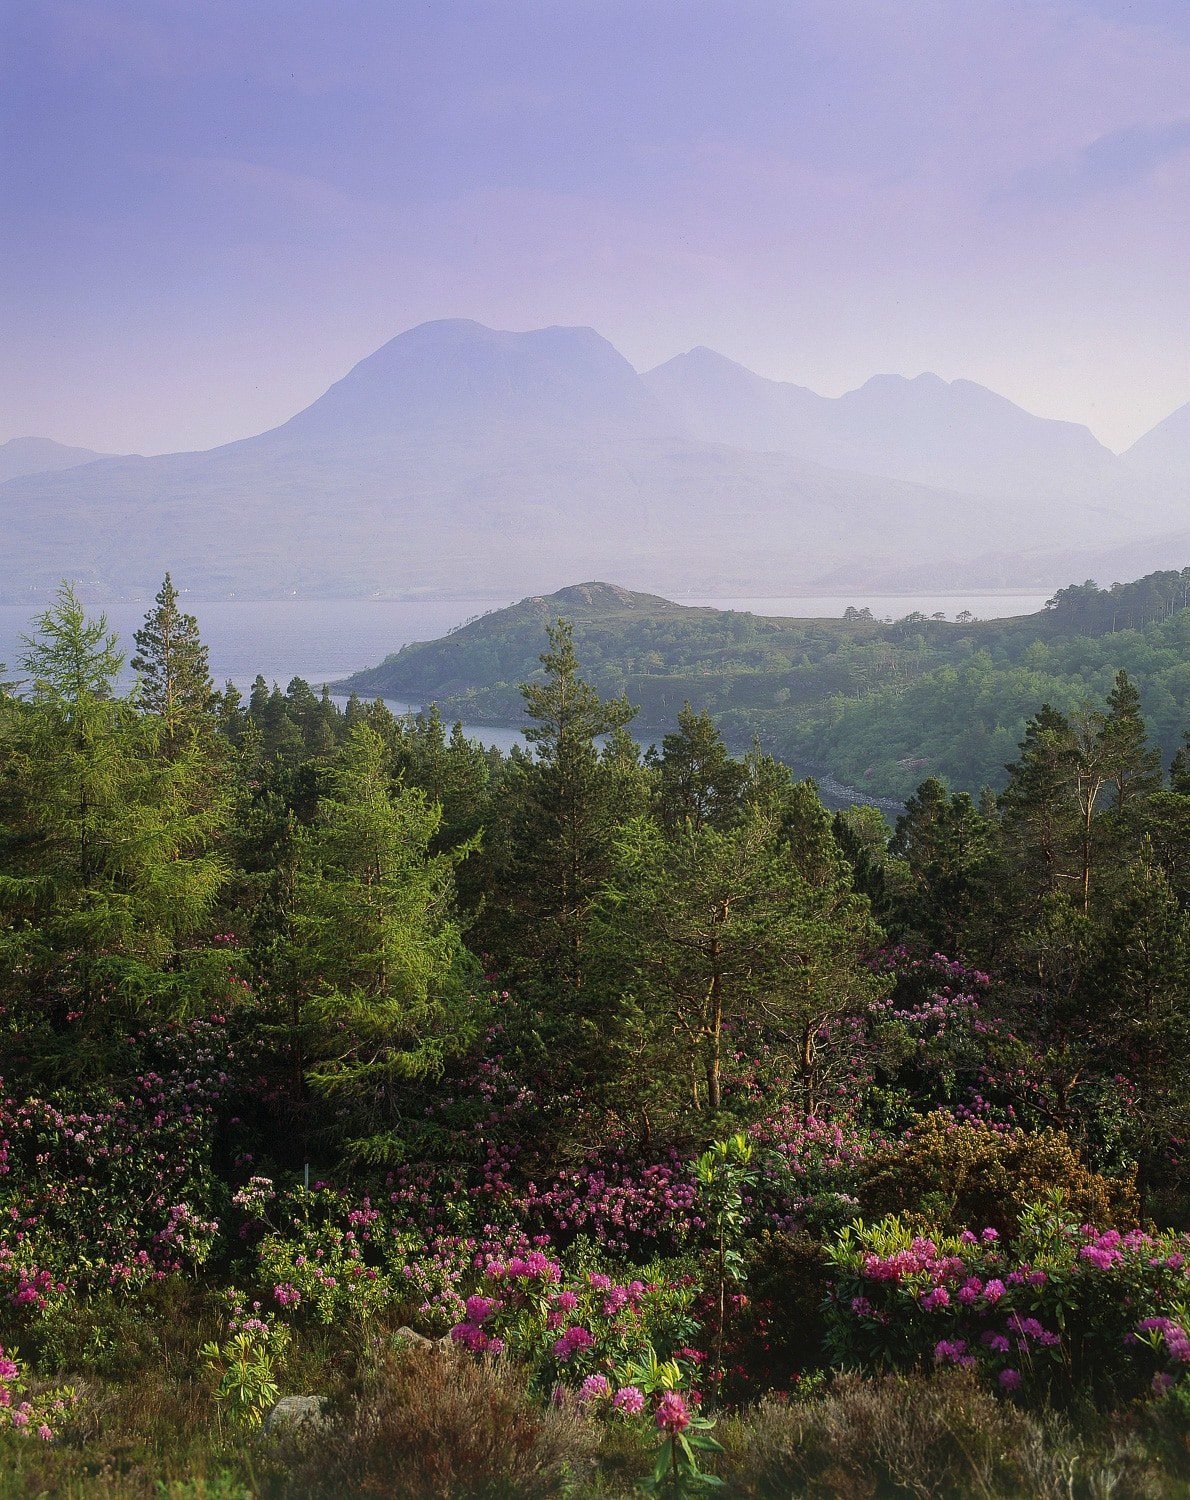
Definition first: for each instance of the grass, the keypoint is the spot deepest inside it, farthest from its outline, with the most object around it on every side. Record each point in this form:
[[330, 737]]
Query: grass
[[423, 1425]]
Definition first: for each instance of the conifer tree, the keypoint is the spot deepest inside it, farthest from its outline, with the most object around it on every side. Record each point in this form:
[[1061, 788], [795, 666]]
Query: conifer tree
[[557, 815], [1133, 769], [175, 679], [104, 858], [700, 782], [714, 931]]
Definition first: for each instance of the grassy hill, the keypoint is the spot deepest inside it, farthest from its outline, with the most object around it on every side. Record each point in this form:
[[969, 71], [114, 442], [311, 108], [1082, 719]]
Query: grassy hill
[[881, 705]]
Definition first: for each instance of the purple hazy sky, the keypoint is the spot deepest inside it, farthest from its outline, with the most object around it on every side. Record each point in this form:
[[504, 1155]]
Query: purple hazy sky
[[212, 208]]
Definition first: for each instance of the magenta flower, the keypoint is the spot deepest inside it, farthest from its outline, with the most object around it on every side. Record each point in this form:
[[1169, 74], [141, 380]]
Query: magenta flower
[[1010, 1380], [571, 1342], [594, 1388], [630, 1400], [672, 1414], [480, 1309]]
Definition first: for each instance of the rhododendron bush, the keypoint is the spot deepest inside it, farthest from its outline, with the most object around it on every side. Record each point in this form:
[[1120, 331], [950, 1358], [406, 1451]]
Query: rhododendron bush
[[43, 1415], [113, 1187], [584, 1333], [1059, 1306]]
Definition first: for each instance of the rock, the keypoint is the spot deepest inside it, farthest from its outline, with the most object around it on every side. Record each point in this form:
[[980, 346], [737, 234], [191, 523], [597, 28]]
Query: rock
[[407, 1335], [294, 1411], [415, 1340]]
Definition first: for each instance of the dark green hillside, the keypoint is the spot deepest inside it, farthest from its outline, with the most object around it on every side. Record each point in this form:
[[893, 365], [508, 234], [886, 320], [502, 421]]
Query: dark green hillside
[[880, 704]]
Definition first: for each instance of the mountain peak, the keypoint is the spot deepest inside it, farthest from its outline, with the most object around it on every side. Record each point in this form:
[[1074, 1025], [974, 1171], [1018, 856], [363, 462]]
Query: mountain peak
[[953, 435], [455, 373]]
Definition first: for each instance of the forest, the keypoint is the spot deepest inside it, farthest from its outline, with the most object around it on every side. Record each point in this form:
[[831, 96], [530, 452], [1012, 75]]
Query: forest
[[385, 1115], [876, 703]]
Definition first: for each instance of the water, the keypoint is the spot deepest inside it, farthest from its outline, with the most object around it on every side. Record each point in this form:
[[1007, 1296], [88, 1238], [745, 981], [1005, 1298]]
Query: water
[[326, 640], [887, 606]]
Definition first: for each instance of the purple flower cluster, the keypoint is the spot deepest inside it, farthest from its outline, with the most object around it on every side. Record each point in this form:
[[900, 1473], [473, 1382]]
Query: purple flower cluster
[[1173, 1335], [471, 1334], [572, 1342], [976, 1304], [673, 1415]]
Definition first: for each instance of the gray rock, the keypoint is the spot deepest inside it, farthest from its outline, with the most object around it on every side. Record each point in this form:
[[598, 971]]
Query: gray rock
[[415, 1340], [407, 1335], [294, 1411]]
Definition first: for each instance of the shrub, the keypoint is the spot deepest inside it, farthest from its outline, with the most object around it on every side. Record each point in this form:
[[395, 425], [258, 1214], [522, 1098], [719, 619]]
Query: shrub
[[316, 1263], [566, 1329], [957, 1175], [937, 1436], [1063, 1307], [40, 1415], [439, 1427]]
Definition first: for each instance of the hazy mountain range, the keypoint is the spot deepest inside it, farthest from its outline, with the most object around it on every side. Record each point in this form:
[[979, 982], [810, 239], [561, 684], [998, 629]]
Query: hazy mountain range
[[31, 455], [458, 459]]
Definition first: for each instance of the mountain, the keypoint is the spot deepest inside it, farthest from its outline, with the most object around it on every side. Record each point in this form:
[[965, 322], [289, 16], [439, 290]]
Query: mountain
[[458, 459], [949, 434], [1165, 450], [33, 455]]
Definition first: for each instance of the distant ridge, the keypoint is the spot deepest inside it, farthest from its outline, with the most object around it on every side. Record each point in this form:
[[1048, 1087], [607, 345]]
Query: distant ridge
[[1165, 450], [459, 459], [34, 455], [950, 434]]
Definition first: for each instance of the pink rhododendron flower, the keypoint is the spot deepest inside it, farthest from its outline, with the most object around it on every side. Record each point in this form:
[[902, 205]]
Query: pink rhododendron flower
[[630, 1400], [673, 1416], [571, 1342]]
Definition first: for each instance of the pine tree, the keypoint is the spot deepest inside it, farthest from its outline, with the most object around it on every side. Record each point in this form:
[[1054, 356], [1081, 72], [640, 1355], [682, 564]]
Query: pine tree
[[1133, 769], [175, 679], [556, 816], [1039, 818], [714, 932], [700, 782]]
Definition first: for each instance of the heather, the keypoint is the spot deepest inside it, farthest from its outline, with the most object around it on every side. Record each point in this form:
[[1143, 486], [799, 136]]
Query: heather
[[582, 1121]]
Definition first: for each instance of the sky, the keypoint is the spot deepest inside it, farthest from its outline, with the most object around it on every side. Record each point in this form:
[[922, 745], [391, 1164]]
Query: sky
[[209, 210]]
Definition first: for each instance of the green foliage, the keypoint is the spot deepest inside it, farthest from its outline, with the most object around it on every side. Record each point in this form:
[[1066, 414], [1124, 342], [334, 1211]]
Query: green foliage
[[739, 927], [676, 1473], [242, 1367], [723, 1173], [880, 704], [959, 1175], [175, 681], [106, 869]]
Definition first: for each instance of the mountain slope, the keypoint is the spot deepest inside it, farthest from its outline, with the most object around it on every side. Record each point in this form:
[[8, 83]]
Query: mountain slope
[[458, 459], [34, 455], [1165, 449], [953, 435]]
